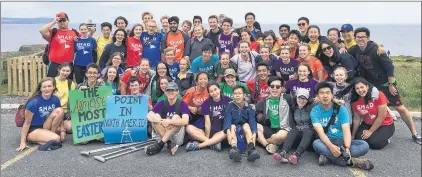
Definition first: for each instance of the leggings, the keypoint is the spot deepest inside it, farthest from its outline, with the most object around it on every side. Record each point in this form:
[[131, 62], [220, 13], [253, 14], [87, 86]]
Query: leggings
[[306, 137], [379, 138], [79, 73]]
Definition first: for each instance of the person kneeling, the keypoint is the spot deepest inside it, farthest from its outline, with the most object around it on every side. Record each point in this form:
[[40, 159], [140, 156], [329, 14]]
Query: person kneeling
[[168, 118], [213, 111], [240, 115], [332, 124], [273, 113]]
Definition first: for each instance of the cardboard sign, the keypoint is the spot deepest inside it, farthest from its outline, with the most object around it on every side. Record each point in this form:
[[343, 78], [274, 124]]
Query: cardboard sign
[[125, 120], [87, 108]]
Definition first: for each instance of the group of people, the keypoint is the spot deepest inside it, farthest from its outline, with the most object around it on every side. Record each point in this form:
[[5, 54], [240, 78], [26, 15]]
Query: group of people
[[229, 86]]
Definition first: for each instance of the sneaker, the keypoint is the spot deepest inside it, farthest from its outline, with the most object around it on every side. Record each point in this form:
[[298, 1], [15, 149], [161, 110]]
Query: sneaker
[[271, 148], [253, 155], [172, 147], [322, 160], [152, 149], [216, 147], [294, 158], [361, 163], [234, 154], [192, 146], [281, 156], [417, 138]]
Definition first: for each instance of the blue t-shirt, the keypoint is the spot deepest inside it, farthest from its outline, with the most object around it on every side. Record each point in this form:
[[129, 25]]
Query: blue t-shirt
[[83, 51], [151, 44], [174, 70], [113, 87], [198, 65], [321, 116], [42, 108]]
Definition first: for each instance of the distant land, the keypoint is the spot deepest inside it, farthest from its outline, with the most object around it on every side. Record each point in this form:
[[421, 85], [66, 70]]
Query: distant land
[[11, 20]]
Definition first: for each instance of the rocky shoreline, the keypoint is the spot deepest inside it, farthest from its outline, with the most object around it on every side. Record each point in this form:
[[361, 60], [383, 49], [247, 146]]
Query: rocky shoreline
[[24, 50]]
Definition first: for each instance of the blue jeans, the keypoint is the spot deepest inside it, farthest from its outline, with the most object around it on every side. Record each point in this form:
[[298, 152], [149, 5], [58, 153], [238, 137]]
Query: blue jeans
[[357, 148]]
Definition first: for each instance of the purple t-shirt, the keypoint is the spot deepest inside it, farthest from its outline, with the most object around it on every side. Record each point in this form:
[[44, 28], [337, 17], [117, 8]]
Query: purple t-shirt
[[218, 108], [225, 44], [293, 85], [171, 109], [285, 69]]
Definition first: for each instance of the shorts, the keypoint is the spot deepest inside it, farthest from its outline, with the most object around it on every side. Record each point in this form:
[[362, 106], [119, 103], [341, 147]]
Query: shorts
[[33, 128], [393, 100], [268, 131], [177, 138]]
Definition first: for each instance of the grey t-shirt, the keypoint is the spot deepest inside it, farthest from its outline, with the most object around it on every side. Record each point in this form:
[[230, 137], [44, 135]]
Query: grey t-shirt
[[245, 69]]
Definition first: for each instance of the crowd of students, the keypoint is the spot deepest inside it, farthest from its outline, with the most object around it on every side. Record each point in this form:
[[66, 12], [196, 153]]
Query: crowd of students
[[234, 86]]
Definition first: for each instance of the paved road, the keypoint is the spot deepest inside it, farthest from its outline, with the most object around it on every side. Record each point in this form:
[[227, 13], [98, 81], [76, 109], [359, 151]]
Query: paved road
[[401, 158]]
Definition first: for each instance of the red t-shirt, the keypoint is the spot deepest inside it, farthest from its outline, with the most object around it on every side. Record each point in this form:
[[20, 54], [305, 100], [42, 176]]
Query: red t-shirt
[[144, 80], [369, 111], [176, 41], [254, 46], [62, 46], [134, 52], [265, 89]]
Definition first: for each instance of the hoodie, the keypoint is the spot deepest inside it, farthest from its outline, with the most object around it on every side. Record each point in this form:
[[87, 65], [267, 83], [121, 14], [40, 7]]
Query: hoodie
[[238, 116], [375, 69], [340, 60]]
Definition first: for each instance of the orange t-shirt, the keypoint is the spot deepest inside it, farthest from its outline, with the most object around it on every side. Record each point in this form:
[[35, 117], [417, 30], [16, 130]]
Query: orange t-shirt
[[177, 42], [315, 65], [194, 97]]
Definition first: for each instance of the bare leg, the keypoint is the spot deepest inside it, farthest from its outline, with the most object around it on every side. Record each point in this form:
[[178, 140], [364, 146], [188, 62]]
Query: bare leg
[[248, 133], [231, 136], [407, 118], [217, 138], [279, 137], [41, 136], [54, 120], [196, 133], [261, 137], [68, 126]]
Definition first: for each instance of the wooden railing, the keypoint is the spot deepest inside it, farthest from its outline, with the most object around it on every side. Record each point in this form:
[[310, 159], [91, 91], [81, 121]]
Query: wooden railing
[[24, 73]]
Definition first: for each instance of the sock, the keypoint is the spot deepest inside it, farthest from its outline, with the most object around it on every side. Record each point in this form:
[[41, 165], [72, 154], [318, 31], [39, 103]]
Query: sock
[[161, 144]]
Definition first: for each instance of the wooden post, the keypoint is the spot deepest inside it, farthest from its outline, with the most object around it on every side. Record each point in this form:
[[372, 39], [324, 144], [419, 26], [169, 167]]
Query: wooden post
[[9, 76], [20, 75], [15, 77], [26, 77], [33, 73], [39, 71]]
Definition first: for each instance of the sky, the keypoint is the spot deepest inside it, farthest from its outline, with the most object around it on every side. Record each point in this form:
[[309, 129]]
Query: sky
[[266, 12]]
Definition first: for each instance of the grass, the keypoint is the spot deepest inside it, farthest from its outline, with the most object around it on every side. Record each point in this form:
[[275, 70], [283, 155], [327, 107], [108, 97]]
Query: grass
[[407, 71]]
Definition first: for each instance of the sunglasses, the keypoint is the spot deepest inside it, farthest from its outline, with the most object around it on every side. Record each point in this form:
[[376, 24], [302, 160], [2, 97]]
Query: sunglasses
[[301, 24], [326, 48], [275, 86], [62, 20]]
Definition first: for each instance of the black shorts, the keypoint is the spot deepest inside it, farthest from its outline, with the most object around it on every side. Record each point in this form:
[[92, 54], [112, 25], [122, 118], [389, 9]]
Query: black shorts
[[34, 127], [393, 100], [268, 131]]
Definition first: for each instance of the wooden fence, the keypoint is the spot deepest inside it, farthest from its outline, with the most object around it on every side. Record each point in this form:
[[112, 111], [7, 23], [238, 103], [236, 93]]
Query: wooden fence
[[24, 73]]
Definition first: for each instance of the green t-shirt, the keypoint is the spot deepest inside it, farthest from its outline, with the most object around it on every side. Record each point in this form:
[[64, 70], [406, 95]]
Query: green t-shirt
[[228, 91], [273, 112]]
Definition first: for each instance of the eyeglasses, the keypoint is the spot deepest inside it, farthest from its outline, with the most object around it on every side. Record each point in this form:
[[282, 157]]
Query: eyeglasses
[[361, 37], [301, 24], [326, 48], [275, 86]]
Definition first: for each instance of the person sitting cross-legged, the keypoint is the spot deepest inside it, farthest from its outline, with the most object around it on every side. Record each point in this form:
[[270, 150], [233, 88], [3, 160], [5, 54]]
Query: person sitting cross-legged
[[168, 118]]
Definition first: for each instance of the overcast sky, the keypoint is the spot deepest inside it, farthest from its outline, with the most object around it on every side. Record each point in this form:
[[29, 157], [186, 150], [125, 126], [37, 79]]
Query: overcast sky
[[266, 12]]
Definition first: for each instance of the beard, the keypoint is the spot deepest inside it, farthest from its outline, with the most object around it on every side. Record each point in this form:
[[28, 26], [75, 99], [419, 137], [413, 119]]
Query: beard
[[173, 29]]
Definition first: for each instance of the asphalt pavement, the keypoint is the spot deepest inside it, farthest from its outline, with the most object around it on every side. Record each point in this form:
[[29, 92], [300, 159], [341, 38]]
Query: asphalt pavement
[[400, 158]]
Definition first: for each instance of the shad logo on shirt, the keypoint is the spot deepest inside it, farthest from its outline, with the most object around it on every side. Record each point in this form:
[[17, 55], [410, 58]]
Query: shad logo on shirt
[[46, 110]]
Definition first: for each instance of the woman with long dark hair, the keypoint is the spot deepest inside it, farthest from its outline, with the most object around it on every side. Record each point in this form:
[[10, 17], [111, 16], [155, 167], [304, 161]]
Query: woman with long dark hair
[[161, 71], [111, 78], [64, 85], [377, 126], [134, 46], [118, 45]]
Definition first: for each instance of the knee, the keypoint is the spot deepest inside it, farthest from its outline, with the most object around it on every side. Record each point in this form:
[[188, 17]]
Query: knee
[[317, 144], [376, 144], [175, 116], [401, 109], [54, 137], [190, 128], [260, 128], [68, 125], [59, 112], [246, 126]]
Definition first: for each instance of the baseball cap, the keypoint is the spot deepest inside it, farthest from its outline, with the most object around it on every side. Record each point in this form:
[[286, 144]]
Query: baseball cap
[[302, 92], [62, 15], [346, 27], [172, 86], [229, 71]]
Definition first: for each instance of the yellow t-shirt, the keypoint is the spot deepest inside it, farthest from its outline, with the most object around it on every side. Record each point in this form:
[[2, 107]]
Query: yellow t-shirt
[[101, 43], [349, 44], [314, 47], [63, 92]]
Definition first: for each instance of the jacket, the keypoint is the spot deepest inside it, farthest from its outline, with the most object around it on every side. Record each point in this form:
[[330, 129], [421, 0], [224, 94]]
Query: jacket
[[375, 69], [284, 113], [341, 60], [301, 118], [235, 116], [185, 83]]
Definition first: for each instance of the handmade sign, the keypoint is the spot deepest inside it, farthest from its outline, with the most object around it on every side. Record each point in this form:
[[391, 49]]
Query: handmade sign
[[126, 120], [87, 108]]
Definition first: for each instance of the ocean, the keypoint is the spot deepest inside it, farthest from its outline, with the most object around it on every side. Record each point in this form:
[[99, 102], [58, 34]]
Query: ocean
[[400, 39]]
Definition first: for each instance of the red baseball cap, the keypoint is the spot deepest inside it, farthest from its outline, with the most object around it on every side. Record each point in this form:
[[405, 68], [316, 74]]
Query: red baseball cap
[[62, 15]]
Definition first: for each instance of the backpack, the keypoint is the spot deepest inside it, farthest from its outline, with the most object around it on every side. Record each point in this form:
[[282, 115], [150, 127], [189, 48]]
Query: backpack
[[20, 114], [166, 104], [257, 90], [336, 110], [45, 58]]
